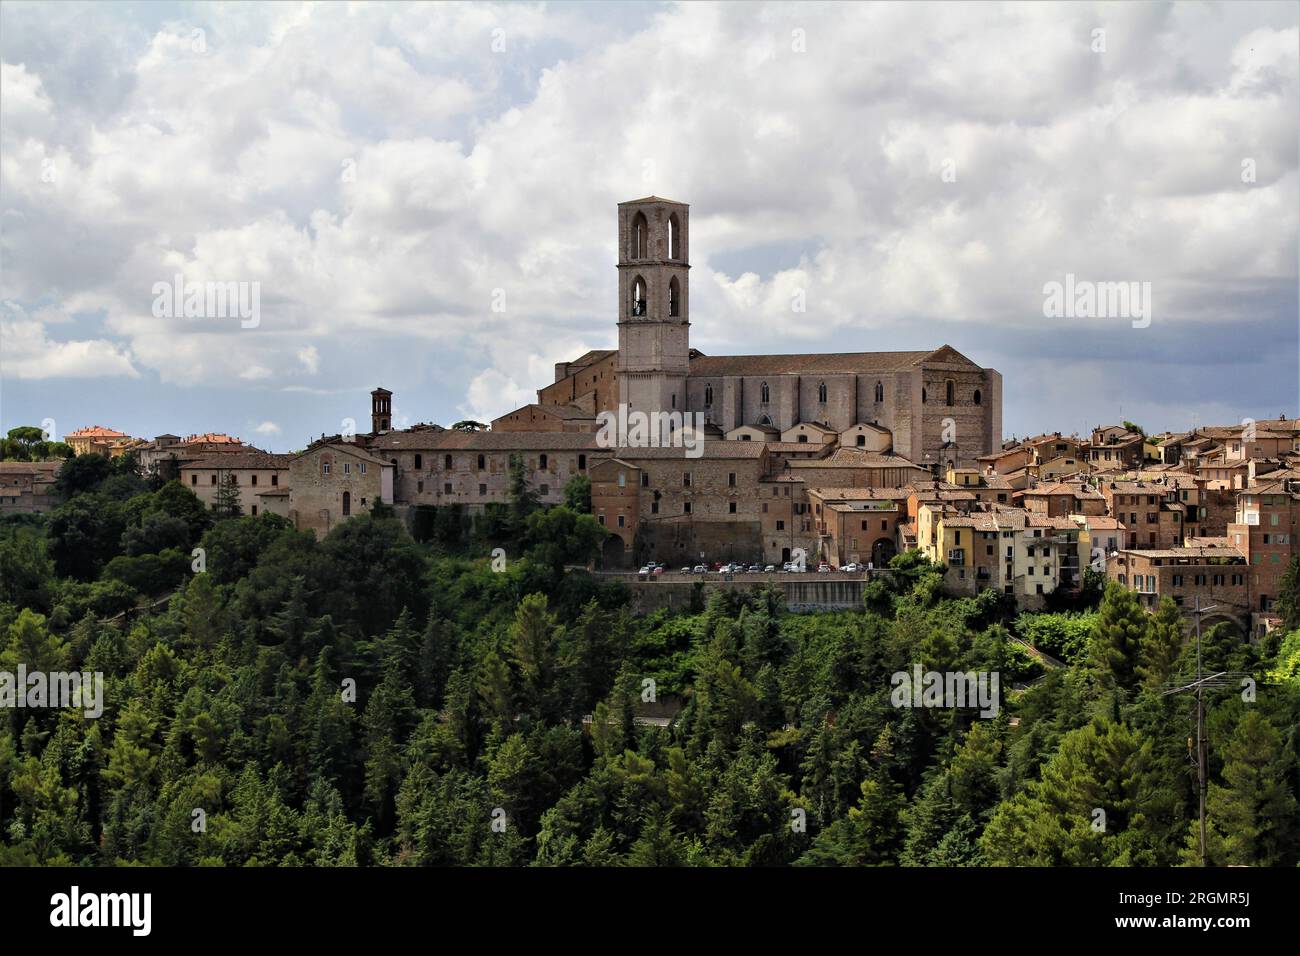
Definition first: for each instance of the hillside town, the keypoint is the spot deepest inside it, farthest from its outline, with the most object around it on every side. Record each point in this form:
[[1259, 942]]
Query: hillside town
[[774, 463]]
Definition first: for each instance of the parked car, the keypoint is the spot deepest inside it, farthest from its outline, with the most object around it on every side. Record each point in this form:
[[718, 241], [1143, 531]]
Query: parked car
[[755, 567], [685, 571], [646, 570], [700, 569], [823, 566], [658, 569], [852, 567], [769, 569]]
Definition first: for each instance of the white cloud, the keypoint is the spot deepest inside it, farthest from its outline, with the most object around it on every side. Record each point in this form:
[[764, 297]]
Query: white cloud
[[381, 171], [268, 429], [27, 353]]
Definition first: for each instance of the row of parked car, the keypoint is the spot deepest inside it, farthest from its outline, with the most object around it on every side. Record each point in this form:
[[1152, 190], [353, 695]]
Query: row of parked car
[[790, 567]]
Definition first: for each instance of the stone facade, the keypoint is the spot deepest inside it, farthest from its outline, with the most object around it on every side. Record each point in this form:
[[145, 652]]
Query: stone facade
[[935, 407], [331, 482]]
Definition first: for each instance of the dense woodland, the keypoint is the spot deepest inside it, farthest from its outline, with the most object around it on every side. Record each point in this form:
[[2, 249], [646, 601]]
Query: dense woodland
[[227, 691]]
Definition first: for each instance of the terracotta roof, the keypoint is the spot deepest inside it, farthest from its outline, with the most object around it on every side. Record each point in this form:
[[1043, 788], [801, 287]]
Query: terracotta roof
[[1098, 522], [565, 412], [1210, 552], [790, 447], [234, 460], [96, 431], [859, 494], [30, 467], [804, 364], [212, 438]]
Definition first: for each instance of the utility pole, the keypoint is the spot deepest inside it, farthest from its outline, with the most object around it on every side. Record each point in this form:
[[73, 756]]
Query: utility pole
[[1198, 686]]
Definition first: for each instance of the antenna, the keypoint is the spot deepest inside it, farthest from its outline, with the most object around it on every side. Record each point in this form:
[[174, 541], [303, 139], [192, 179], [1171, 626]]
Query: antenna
[[1218, 680]]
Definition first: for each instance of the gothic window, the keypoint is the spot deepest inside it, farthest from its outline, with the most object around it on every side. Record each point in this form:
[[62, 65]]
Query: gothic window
[[674, 296], [638, 296], [763, 394], [949, 392], [979, 399], [821, 393], [347, 503], [674, 237], [880, 391], [640, 237], [708, 395]]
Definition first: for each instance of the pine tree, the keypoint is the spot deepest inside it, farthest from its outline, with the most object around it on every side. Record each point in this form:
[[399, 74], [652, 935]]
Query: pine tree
[[227, 503], [1117, 638], [1161, 645], [1253, 813]]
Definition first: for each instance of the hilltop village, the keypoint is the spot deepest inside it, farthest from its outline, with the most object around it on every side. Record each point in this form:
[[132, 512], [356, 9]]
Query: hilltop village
[[846, 458]]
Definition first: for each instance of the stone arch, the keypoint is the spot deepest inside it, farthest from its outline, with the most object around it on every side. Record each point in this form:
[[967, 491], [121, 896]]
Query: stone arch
[[639, 237], [638, 304]]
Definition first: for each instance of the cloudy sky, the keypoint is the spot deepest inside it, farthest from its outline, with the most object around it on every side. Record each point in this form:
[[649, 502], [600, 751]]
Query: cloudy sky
[[919, 171]]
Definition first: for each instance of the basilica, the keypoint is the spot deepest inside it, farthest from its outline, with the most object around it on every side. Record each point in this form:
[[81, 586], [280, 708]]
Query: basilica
[[937, 408]]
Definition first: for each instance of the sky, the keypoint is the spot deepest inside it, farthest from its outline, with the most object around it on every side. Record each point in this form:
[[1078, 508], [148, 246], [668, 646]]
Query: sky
[[425, 197]]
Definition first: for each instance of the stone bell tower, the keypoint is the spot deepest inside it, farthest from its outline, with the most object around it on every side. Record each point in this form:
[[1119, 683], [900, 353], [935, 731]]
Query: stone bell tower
[[381, 411], [653, 304]]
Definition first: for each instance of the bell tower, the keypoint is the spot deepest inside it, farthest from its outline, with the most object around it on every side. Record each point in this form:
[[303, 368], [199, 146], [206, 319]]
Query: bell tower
[[653, 304], [381, 411]]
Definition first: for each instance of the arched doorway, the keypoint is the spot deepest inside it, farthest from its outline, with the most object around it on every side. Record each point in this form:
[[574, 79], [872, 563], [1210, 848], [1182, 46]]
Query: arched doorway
[[613, 554], [882, 552]]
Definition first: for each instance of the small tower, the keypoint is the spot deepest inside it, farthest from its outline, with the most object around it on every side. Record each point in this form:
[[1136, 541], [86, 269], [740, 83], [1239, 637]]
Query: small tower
[[381, 411], [653, 304]]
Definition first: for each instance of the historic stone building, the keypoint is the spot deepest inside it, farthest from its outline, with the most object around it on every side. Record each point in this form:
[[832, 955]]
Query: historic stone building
[[935, 407]]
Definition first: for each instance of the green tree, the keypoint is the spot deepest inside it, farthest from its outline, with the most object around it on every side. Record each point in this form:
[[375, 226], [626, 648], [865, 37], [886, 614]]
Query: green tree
[[577, 494], [1253, 813], [227, 503], [1118, 636]]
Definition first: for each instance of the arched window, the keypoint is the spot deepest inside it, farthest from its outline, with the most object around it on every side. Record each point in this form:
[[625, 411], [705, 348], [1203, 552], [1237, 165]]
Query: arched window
[[638, 296], [821, 393], [419, 462], [640, 238], [923, 395], [979, 399], [763, 394], [880, 391], [347, 503], [949, 392], [674, 296], [708, 395], [674, 237]]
